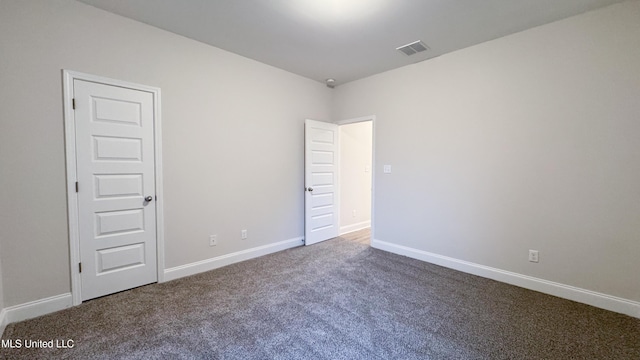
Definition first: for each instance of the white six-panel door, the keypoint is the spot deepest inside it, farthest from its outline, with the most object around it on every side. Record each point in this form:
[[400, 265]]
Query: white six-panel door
[[116, 187], [321, 181]]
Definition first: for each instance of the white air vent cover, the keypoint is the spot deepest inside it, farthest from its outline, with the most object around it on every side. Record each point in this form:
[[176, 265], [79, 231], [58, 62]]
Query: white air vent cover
[[413, 48]]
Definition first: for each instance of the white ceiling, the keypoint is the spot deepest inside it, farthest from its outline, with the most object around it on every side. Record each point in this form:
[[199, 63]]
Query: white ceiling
[[344, 39]]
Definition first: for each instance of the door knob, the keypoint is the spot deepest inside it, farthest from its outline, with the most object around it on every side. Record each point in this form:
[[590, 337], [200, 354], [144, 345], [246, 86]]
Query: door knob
[[310, 189], [148, 198]]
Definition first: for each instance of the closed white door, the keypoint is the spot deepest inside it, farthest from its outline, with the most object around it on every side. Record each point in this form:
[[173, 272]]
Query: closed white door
[[116, 187], [321, 181]]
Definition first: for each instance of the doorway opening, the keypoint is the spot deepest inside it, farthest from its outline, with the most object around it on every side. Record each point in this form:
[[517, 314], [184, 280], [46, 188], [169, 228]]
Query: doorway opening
[[114, 184], [325, 216], [355, 176]]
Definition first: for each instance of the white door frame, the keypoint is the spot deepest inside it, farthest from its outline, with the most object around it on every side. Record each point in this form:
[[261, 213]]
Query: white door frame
[[371, 118], [72, 196]]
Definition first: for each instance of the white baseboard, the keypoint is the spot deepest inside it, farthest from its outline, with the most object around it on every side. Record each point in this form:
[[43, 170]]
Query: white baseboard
[[59, 302], [354, 227], [3, 321], [593, 298], [228, 259], [33, 309]]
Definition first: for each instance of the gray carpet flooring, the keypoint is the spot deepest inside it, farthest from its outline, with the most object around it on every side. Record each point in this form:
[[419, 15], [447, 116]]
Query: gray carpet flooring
[[339, 299]]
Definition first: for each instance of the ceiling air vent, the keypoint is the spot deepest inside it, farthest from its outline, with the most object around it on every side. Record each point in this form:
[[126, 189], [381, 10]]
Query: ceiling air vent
[[413, 48]]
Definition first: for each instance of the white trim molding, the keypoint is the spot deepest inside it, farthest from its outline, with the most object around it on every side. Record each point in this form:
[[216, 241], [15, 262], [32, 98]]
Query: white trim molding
[[72, 197], [34, 309], [593, 298], [228, 259], [355, 227], [59, 302], [3, 321]]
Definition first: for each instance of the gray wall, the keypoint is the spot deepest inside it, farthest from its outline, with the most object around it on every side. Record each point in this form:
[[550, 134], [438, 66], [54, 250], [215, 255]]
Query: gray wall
[[526, 142], [1, 287], [232, 138]]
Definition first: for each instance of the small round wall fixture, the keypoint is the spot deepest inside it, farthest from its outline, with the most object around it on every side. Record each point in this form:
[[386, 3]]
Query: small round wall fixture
[[330, 82]]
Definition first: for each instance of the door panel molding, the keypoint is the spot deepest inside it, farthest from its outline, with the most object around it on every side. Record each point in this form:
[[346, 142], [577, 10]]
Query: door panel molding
[[322, 162], [70, 149]]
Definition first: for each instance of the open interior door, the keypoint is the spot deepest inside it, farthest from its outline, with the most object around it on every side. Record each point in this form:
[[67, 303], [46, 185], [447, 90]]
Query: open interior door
[[321, 201]]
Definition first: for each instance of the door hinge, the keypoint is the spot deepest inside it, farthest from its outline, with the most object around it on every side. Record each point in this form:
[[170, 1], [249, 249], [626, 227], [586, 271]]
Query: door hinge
[[73, 103], [80, 267], [76, 186]]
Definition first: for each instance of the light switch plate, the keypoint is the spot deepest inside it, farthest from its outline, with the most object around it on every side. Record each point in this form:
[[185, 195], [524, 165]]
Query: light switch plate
[[387, 169]]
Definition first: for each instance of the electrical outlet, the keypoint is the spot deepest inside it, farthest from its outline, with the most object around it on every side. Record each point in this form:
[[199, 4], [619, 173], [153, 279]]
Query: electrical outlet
[[387, 169], [213, 240], [243, 234], [533, 256], [354, 213]]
